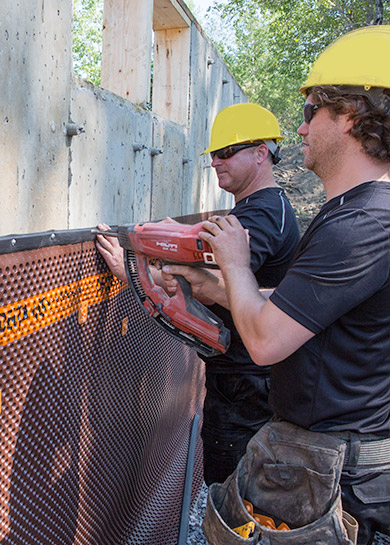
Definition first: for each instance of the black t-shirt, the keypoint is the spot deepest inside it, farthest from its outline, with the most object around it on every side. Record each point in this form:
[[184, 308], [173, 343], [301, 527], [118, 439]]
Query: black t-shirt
[[274, 236], [339, 288]]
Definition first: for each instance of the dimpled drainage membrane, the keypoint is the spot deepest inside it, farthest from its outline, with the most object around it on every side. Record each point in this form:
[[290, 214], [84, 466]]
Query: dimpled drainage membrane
[[96, 406]]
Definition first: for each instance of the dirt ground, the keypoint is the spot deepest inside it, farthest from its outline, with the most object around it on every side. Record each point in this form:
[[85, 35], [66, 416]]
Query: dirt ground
[[303, 188]]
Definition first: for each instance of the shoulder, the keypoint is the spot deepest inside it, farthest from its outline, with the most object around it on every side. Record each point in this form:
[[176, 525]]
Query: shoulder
[[269, 203], [345, 235]]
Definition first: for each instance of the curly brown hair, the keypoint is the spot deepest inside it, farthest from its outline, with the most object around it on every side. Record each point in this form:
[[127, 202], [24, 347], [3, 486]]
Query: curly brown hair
[[370, 114]]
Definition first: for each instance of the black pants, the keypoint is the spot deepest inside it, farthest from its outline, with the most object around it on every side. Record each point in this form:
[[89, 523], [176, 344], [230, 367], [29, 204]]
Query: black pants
[[366, 496], [235, 407]]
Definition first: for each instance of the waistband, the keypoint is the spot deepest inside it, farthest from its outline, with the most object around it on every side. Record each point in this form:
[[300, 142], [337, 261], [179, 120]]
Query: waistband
[[364, 449]]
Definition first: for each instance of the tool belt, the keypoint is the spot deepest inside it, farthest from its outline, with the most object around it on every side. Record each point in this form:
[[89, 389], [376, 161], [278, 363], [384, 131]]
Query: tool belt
[[291, 475]]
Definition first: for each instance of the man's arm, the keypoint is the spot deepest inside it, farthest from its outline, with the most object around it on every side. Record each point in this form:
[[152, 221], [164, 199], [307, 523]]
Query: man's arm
[[207, 287], [268, 333]]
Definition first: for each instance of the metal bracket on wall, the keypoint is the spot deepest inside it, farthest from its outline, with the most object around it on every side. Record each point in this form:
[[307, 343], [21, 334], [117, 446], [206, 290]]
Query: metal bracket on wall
[[72, 129], [138, 147]]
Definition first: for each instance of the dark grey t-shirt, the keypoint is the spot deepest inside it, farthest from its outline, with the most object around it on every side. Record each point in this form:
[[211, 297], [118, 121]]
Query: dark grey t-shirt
[[339, 288], [274, 236]]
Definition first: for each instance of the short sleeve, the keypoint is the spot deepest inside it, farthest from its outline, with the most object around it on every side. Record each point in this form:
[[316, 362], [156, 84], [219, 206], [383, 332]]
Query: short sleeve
[[344, 261]]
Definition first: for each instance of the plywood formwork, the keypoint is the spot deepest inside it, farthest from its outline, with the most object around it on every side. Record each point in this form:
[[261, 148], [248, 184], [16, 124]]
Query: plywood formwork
[[127, 45], [171, 74]]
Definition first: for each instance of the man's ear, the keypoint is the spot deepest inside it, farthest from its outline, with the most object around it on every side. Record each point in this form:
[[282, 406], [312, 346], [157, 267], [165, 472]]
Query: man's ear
[[348, 123], [262, 152]]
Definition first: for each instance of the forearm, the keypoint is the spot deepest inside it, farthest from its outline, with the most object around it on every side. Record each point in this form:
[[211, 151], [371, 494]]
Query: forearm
[[212, 290], [268, 334], [207, 287], [246, 302]]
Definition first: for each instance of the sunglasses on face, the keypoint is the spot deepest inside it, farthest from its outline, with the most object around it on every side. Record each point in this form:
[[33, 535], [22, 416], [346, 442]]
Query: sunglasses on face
[[229, 151], [309, 110]]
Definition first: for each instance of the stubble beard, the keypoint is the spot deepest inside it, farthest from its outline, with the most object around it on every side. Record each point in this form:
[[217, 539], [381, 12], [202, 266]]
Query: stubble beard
[[324, 159]]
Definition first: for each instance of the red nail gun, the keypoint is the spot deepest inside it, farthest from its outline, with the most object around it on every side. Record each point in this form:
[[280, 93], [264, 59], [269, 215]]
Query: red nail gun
[[181, 315]]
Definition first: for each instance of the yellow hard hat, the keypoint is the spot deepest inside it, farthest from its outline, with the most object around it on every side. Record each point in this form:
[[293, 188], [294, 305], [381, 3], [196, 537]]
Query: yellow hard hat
[[358, 58], [243, 122]]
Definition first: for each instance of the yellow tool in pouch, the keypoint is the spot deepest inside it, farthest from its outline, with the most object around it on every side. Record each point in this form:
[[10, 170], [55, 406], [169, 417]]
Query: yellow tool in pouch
[[246, 530]]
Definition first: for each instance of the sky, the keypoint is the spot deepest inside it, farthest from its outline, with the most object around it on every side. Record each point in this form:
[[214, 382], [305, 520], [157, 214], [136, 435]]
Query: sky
[[202, 4]]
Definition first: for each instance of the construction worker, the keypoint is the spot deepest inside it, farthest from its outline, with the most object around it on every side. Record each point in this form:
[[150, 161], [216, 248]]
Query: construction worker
[[325, 328], [243, 148]]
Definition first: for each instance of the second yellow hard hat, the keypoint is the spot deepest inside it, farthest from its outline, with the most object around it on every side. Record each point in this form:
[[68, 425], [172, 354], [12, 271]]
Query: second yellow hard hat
[[244, 122]]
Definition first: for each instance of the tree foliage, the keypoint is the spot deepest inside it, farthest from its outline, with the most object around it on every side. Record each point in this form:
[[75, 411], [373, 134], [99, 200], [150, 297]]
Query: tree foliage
[[87, 39], [276, 42]]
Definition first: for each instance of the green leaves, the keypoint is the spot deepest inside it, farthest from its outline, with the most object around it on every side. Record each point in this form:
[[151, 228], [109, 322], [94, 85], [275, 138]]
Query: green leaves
[[276, 42], [87, 39]]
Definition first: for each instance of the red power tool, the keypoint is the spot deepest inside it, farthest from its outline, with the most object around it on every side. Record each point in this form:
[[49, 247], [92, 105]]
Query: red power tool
[[182, 316]]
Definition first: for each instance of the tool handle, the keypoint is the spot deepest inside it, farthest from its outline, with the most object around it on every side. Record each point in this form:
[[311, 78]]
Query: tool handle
[[180, 315], [185, 286], [196, 308]]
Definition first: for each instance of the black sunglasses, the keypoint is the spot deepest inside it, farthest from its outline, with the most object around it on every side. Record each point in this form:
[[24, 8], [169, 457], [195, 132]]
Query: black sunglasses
[[229, 151], [309, 110]]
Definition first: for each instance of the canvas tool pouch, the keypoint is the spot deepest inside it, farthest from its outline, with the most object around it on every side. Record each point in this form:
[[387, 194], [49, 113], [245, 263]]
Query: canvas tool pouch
[[291, 475]]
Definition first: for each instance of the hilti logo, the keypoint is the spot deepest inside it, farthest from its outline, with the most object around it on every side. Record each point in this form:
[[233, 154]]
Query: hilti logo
[[167, 246]]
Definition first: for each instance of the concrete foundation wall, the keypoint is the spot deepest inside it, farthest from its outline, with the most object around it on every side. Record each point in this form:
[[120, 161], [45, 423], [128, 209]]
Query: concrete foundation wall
[[73, 154]]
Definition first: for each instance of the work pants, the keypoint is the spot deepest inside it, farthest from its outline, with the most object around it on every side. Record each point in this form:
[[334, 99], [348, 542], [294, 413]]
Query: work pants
[[235, 408], [366, 496], [365, 482]]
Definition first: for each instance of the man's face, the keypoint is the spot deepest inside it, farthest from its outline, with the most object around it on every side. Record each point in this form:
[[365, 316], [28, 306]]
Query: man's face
[[237, 172], [322, 143]]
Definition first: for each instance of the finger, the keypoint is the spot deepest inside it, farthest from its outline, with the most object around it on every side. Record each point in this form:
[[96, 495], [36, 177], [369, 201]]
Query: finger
[[105, 253], [105, 242], [176, 269], [226, 221], [167, 277], [213, 226], [215, 219], [233, 220], [103, 226], [171, 289], [207, 237]]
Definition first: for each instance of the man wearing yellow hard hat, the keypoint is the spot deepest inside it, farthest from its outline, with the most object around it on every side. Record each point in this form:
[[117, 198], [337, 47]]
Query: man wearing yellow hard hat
[[243, 148], [325, 330]]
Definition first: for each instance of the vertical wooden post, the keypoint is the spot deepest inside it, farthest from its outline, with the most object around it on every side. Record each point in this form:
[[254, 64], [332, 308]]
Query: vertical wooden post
[[127, 46], [171, 69]]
